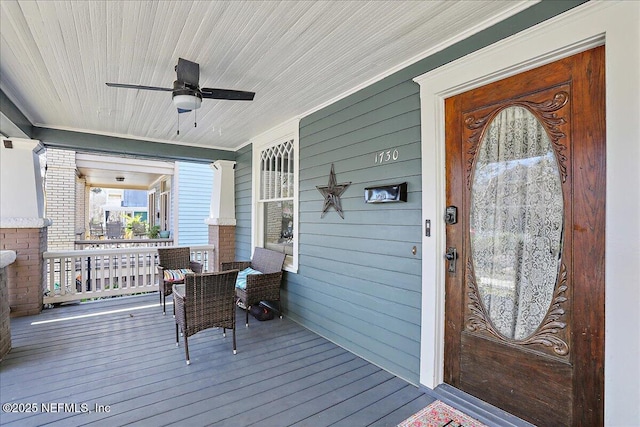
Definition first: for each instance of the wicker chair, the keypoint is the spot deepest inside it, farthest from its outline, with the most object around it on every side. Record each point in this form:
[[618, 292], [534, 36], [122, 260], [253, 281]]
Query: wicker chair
[[205, 300], [173, 259], [260, 287], [114, 230], [138, 229], [96, 231]]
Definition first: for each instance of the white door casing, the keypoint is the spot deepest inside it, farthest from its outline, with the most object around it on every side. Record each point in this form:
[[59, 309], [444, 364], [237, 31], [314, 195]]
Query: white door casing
[[614, 24]]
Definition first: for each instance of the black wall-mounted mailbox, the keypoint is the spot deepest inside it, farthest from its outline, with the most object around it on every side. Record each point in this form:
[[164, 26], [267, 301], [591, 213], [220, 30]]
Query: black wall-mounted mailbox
[[386, 193]]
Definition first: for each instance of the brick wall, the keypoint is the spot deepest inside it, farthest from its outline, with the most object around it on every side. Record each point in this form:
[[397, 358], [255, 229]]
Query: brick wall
[[25, 277], [60, 193], [5, 321], [81, 208], [224, 239]]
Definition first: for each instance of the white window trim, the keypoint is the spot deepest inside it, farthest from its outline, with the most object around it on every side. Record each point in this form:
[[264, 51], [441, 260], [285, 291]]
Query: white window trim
[[284, 132]]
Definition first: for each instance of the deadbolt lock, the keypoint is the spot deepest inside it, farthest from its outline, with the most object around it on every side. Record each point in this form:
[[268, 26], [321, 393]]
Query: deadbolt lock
[[451, 215]]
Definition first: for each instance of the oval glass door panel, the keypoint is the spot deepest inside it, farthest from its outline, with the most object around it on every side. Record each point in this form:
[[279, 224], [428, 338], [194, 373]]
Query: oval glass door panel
[[516, 222]]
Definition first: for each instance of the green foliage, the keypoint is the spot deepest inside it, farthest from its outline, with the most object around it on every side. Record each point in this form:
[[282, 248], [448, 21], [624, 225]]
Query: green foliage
[[154, 232], [130, 220], [134, 225]]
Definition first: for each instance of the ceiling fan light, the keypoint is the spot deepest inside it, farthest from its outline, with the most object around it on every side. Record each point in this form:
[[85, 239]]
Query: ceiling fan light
[[187, 102]]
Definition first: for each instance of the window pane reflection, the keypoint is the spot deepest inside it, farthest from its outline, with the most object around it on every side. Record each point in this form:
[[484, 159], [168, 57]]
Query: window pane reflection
[[278, 226]]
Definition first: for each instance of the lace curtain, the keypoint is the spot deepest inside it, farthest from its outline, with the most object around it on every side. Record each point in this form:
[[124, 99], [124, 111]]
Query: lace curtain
[[516, 222]]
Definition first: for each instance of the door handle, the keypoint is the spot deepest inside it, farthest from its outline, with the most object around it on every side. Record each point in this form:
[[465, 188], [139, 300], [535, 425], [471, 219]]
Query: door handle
[[451, 256]]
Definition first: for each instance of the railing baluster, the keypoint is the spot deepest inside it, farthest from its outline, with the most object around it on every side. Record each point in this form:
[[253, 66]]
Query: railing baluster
[[98, 268], [62, 276], [133, 266], [52, 276]]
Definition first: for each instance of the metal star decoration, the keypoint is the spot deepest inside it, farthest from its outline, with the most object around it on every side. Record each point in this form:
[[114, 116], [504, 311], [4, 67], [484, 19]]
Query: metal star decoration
[[332, 193]]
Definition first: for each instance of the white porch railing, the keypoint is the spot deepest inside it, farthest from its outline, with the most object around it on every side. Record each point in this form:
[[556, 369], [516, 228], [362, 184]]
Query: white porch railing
[[93, 273], [121, 243]]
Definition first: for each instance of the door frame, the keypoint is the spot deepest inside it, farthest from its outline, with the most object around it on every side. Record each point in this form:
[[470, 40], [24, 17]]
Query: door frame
[[592, 24]]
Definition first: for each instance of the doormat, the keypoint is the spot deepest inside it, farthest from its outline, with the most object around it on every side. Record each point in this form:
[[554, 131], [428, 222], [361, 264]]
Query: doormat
[[439, 414]]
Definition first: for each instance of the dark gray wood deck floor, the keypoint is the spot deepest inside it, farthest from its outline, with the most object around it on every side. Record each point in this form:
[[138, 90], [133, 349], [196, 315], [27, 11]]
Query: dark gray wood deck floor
[[124, 360]]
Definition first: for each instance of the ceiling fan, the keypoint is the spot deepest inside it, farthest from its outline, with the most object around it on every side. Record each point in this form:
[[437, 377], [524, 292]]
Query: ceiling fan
[[186, 91]]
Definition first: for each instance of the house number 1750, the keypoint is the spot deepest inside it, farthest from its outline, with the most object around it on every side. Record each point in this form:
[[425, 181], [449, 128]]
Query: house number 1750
[[386, 156]]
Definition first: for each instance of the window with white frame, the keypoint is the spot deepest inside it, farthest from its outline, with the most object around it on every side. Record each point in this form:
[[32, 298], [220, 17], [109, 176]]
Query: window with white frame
[[276, 196], [275, 169]]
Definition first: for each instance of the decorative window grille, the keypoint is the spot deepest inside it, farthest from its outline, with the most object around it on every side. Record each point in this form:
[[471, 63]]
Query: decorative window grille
[[276, 171]]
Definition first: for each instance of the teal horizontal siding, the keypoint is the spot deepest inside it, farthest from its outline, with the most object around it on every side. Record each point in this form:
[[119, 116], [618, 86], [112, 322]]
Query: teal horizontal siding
[[195, 181], [358, 283], [354, 324], [243, 199]]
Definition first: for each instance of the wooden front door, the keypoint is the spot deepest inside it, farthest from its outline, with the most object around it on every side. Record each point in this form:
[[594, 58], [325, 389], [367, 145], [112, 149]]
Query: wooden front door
[[525, 160]]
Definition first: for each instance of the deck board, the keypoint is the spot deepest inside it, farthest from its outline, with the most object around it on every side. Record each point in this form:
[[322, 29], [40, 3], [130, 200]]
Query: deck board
[[123, 355]]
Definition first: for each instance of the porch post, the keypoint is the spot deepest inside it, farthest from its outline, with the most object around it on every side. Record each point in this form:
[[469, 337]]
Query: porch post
[[6, 258], [23, 228], [222, 213]]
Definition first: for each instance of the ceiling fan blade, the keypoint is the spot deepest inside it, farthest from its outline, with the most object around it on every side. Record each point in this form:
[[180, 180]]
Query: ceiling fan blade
[[233, 95], [188, 72], [164, 89]]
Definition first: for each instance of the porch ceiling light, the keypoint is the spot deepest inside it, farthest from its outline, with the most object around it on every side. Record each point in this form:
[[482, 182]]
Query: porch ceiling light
[[187, 101]]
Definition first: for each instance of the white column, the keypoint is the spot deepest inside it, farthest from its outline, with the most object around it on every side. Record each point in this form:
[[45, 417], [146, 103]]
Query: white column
[[222, 210], [22, 223], [21, 192]]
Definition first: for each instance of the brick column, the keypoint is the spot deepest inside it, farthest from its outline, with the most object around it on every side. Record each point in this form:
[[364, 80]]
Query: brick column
[[6, 258], [223, 237], [61, 198], [222, 213], [26, 276], [82, 209]]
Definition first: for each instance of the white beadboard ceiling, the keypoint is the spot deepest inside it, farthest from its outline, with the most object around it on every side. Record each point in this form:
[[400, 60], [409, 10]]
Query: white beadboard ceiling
[[55, 57]]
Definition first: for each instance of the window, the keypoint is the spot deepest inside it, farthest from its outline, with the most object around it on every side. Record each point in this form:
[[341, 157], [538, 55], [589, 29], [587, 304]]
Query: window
[[276, 196], [275, 179], [151, 206]]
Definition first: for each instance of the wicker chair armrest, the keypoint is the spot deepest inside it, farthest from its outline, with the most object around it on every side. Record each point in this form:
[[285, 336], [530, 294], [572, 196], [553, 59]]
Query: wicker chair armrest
[[261, 287], [196, 267], [235, 265], [161, 274], [164, 286], [263, 281], [178, 294], [179, 302]]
